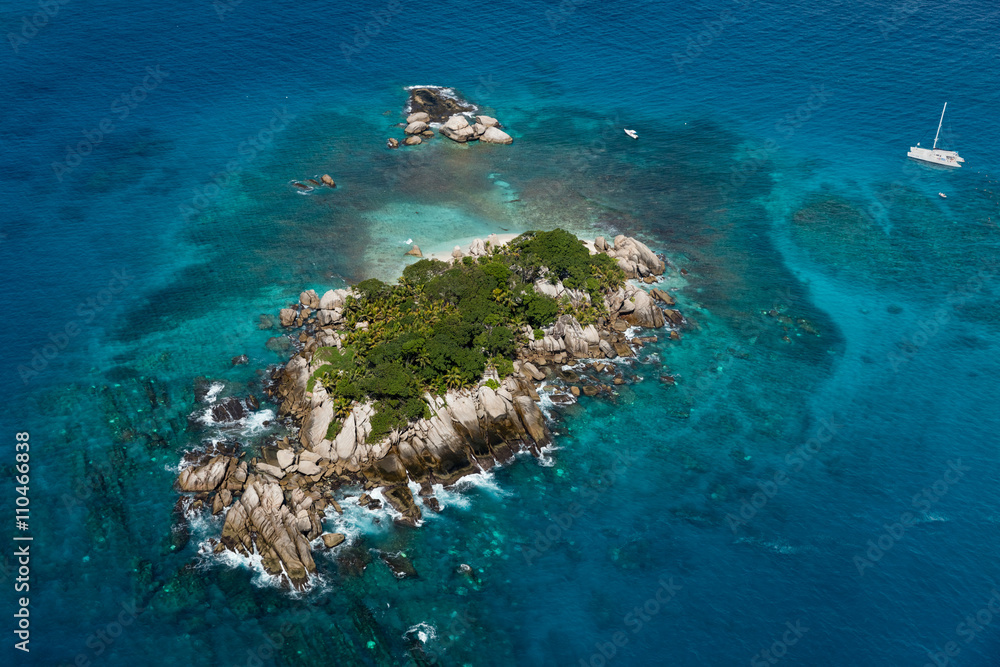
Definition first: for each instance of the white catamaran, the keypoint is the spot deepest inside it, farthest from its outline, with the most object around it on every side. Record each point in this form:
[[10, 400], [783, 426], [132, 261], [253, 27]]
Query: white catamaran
[[936, 155]]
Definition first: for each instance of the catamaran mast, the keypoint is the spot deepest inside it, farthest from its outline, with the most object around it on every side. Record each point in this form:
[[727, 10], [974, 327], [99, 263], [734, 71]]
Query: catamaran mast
[[939, 126]]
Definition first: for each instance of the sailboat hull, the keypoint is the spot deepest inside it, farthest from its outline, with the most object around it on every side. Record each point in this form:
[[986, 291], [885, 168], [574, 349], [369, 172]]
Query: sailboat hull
[[936, 156]]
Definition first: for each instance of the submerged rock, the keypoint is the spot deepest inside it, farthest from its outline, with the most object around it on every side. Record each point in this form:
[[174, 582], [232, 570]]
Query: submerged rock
[[398, 563]]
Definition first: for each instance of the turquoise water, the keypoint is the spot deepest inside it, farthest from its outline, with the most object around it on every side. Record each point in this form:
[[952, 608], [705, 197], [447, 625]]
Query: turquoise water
[[770, 166]]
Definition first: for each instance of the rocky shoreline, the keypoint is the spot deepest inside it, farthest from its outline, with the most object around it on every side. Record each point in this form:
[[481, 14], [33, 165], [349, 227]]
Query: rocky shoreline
[[274, 504]]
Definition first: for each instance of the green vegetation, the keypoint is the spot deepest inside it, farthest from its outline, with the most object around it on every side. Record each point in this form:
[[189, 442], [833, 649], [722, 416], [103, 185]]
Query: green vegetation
[[440, 326]]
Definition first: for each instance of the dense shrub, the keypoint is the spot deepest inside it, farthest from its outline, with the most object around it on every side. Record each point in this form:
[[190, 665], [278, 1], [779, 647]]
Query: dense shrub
[[442, 324]]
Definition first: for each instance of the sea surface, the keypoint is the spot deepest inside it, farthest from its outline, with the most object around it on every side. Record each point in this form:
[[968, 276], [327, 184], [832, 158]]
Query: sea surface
[[820, 482]]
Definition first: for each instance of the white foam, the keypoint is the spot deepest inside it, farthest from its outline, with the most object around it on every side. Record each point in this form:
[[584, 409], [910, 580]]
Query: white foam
[[547, 405], [484, 481], [357, 520], [254, 422], [255, 563], [446, 498], [424, 632], [213, 391], [206, 416]]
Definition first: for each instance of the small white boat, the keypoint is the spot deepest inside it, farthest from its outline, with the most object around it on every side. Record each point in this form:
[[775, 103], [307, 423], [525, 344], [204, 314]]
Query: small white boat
[[935, 155], [942, 195], [632, 133]]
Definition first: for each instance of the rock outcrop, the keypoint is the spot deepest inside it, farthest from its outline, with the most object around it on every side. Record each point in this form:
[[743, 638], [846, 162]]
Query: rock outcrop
[[442, 106], [634, 257], [265, 522], [436, 104]]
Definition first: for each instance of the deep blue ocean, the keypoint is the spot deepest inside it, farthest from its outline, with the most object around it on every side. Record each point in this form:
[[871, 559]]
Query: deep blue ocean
[[820, 483]]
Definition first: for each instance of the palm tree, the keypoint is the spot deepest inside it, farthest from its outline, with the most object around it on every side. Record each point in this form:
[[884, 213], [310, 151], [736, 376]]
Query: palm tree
[[453, 378], [342, 407]]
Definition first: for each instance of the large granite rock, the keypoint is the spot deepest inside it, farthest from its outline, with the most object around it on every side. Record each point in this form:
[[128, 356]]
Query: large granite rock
[[494, 135], [634, 257], [261, 522], [314, 428], [645, 312], [309, 299], [415, 127], [207, 477], [456, 123], [333, 299]]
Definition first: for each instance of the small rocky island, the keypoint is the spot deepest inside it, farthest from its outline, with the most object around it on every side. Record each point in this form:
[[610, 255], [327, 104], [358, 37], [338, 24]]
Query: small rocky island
[[403, 386], [454, 118]]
